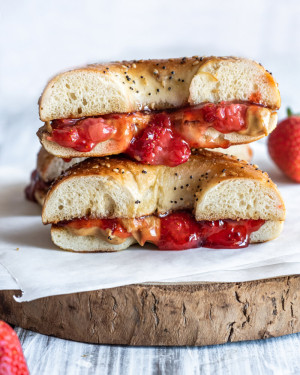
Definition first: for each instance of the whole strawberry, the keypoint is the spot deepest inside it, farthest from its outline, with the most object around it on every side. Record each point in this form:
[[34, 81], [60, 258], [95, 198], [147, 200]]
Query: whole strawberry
[[12, 361], [284, 146]]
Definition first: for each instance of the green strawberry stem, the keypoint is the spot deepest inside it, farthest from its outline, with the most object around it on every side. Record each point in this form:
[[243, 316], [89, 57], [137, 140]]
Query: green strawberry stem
[[290, 112]]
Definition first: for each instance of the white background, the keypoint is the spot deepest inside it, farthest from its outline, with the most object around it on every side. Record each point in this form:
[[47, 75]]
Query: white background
[[39, 38]]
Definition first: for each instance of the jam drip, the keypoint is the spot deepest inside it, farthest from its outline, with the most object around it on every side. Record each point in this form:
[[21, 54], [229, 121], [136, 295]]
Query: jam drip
[[155, 138], [36, 183], [178, 231]]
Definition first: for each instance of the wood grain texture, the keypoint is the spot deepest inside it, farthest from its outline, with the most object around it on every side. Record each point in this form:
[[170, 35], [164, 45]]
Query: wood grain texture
[[165, 314]]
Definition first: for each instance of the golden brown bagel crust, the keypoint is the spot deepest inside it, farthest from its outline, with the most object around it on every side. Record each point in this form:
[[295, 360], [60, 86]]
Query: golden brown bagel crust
[[50, 167], [130, 86], [117, 187]]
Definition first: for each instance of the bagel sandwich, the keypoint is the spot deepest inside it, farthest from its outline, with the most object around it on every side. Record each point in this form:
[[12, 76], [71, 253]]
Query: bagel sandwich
[[157, 111], [212, 200]]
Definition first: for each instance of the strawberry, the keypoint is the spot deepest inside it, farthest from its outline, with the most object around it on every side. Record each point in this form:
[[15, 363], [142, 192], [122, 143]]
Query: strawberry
[[12, 361], [284, 146]]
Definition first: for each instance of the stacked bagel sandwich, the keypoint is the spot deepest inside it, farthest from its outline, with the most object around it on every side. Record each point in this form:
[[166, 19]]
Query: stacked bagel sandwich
[[132, 136]]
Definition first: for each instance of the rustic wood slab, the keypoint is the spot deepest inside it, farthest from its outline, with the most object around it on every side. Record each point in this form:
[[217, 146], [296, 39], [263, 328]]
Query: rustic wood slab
[[164, 314]]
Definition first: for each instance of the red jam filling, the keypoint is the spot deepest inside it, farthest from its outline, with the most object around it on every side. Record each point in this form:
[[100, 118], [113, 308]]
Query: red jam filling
[[180, 231], [163, 137], [36, 183]]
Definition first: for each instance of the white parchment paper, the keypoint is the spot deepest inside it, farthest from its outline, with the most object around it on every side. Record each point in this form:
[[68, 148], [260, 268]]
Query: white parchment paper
[[30, 261]]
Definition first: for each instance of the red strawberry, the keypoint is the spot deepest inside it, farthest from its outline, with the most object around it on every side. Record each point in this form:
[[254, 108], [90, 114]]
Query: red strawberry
[[284, 146], [12, 361]]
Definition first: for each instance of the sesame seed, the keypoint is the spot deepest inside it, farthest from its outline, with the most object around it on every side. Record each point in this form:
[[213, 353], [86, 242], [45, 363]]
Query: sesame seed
[[175, 202], [133, 81], [187, 185], [176, 174], [144, 171], [149, 93], [124, 66], [157, 64], [104, 71], [195, 62], [107, 68], [172, 72], [137, 91], [174, 188], [181, 187], [110, 238], [181, 199], [191, 177], [134, 66], [164, 67], [182, 80], [108, 165], [155, 71], [137, 202], [171, 201], [116, 170], [131, 88], [122, 171], [142, 76], [157, 90], [170, 77], [179, 79], [196, 199], [169, 88], [223, 170]]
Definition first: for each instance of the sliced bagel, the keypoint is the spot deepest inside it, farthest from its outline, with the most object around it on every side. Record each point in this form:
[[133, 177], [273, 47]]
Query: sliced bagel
[[211, 185]]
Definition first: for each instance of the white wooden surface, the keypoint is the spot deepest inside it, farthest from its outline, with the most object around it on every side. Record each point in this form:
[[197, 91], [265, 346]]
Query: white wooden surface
[[51, 356]]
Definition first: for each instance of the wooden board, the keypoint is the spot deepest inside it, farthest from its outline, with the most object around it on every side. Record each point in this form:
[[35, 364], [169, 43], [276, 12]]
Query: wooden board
[[164, 314]]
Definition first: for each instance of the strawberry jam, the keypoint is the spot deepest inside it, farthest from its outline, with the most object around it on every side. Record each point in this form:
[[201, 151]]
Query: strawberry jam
[[82, 135], [161, 137], [176, 231], [181, 231], [36, 183], [159, 144]]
